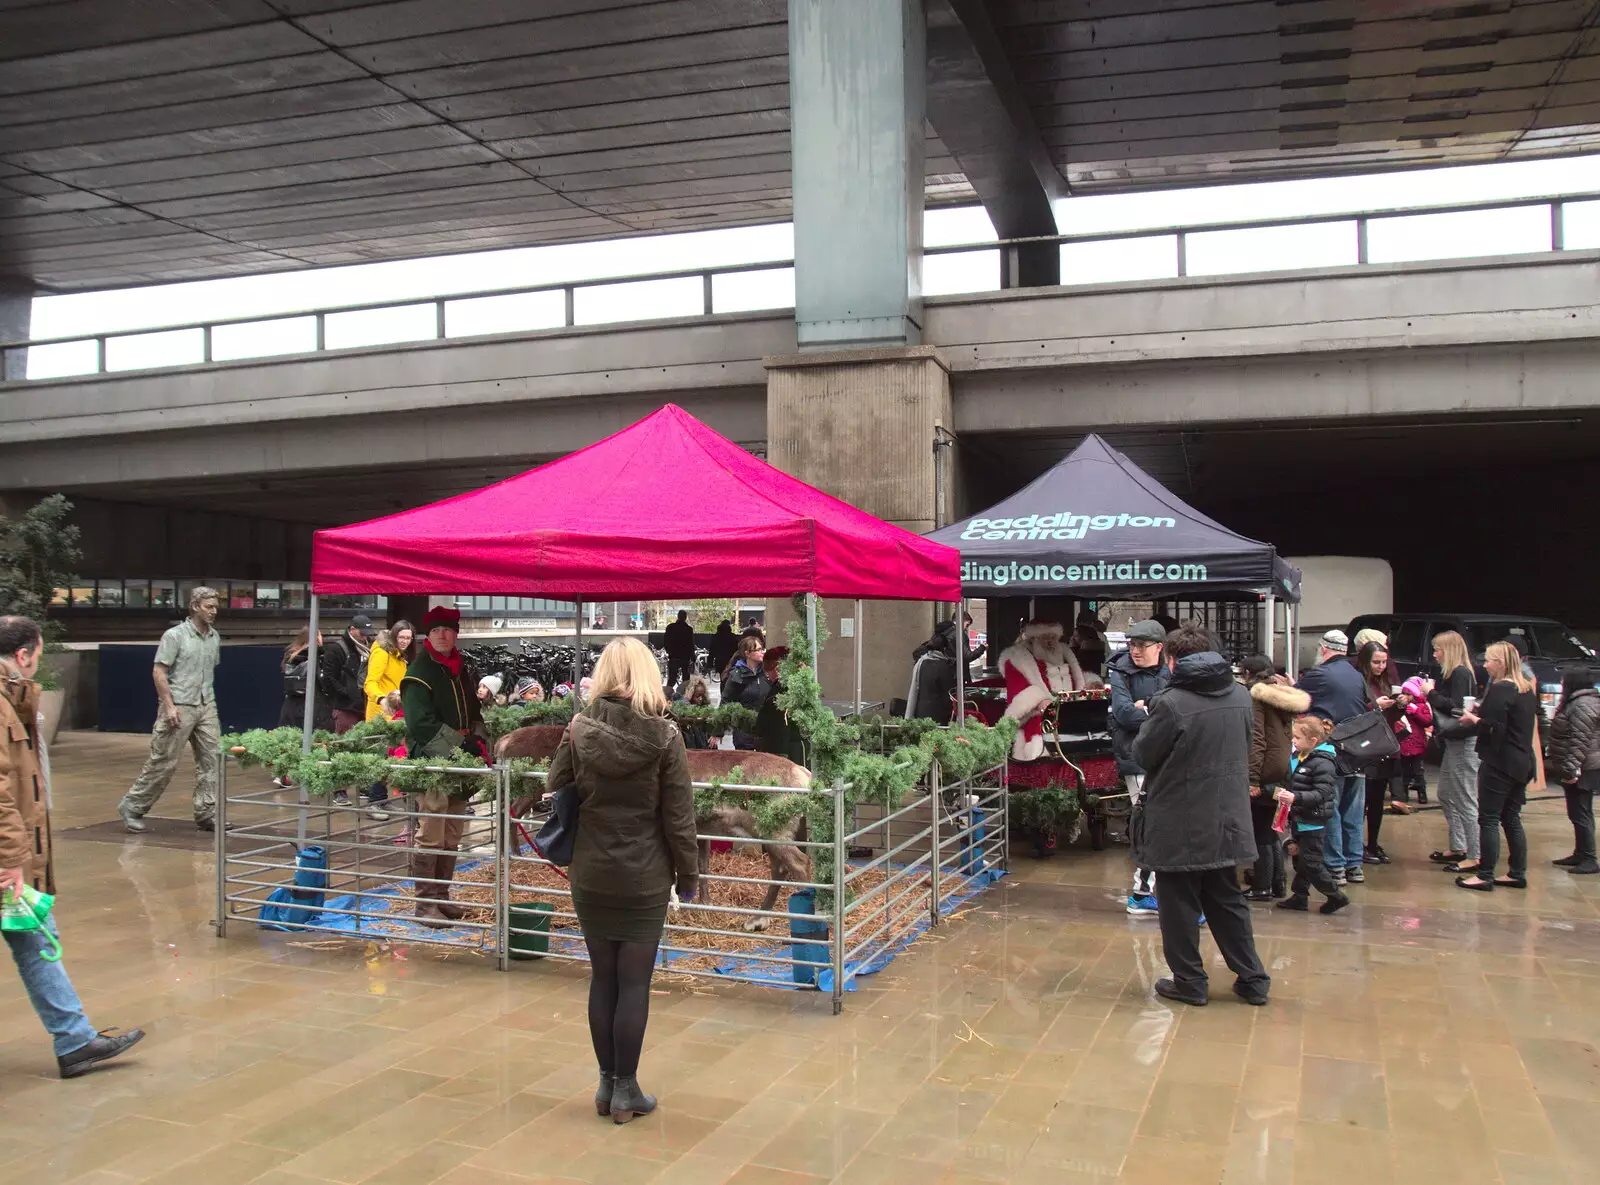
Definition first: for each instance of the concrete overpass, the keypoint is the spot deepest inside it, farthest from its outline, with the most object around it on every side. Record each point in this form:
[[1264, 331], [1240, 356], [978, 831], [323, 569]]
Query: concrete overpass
[[295, 438]]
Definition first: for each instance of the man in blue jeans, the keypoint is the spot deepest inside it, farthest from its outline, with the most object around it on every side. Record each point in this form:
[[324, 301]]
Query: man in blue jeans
[[1338, 693], [25, 856]]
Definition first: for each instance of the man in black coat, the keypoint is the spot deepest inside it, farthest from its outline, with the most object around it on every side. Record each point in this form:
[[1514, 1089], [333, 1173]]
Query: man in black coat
[[1195, 827], [680, 649]]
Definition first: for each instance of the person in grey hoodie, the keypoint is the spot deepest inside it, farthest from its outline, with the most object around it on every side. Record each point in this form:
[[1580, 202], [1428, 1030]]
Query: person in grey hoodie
[[1195, 830]]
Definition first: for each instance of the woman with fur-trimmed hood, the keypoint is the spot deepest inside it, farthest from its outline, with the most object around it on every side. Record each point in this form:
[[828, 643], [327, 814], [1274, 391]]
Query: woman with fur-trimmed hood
[[1276, 703], [1037, 669]]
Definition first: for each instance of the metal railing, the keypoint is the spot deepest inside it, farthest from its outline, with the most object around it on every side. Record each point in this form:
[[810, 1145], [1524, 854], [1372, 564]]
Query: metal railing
[[1180, 233], [328, 869]]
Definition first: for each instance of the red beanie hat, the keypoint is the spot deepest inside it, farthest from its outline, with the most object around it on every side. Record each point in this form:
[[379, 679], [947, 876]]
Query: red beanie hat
[[441, 615]]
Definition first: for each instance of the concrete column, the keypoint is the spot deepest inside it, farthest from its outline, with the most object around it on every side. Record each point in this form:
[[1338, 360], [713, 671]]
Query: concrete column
[[16, 316], [857, 88], [859, 424]]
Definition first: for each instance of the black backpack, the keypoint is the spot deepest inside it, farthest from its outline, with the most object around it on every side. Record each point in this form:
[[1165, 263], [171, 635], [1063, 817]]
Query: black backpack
[[1365, 740]]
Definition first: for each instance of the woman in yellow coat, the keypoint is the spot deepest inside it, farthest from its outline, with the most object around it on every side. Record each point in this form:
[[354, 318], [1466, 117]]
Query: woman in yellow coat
[[386, 664]]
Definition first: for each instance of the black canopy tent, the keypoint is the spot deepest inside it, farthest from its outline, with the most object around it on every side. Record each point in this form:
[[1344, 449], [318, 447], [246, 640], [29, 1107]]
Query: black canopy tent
[[1097, 526]]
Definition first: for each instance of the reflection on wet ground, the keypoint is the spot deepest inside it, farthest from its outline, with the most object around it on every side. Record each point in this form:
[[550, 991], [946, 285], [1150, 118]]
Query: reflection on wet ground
[[1425, 1034]]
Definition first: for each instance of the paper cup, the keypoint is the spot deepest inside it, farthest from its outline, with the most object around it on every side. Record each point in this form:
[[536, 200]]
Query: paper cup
[[1469, 703]]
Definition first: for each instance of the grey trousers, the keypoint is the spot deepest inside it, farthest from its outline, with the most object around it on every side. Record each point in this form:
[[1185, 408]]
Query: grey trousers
[[202, 732], [1458, 794]]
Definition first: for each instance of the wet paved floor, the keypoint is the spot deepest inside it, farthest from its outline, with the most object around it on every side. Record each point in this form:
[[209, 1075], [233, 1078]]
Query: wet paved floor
[[1425, 1034]]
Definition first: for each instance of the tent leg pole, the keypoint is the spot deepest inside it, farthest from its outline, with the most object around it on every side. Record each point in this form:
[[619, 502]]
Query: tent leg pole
[[313, 666], [577, 650], [859, 608], [961, 698], [811, 636], [1269, 628]]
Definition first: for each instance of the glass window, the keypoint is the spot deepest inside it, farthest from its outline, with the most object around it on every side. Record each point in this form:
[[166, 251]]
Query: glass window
[[481, 605], [1558, 642], [497, 604], [83, 596], [269, 596], [63, 596], [136, 594], [241, 594], [185, 587], [295, 595], [1405, 643], [163, 594], [110, 594]]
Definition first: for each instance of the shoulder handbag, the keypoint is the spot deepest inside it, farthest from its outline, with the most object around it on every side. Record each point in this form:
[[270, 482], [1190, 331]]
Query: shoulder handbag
[[1365, 739], [559, 834]]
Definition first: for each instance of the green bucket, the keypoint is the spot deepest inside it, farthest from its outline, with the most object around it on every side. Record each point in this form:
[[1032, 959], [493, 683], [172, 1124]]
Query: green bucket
[[533, 919]]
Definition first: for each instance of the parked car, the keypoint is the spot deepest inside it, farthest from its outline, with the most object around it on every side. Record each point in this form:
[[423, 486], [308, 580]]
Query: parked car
[[1548, 646]]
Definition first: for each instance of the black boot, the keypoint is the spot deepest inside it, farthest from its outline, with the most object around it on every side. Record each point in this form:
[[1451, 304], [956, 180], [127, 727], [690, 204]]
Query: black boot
[[627, 1100], [101, 1049], [1171, 989], [603, 1093], [1297, 902]]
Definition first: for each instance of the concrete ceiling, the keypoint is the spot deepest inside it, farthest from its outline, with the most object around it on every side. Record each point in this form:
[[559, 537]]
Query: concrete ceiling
[[176, 139]]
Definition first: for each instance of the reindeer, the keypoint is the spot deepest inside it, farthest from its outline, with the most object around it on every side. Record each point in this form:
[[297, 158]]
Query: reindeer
[[789, 862]]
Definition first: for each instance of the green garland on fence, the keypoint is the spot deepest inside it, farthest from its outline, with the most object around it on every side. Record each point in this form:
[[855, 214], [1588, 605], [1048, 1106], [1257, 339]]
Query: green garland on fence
[[715, 721], [355, 759], [837, 755]]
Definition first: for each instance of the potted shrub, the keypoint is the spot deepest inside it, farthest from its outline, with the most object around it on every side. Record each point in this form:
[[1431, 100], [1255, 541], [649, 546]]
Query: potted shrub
[[38, 551]]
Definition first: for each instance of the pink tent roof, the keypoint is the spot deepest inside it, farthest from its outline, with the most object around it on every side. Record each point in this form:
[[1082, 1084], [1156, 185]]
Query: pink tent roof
[[665, 508]]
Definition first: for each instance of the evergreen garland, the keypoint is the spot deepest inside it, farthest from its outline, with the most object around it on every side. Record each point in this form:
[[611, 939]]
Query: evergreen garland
[[716, 721], [1047, 808]]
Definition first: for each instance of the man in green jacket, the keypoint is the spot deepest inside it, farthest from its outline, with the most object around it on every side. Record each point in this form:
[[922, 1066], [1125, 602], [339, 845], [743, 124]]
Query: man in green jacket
[[442, 718]]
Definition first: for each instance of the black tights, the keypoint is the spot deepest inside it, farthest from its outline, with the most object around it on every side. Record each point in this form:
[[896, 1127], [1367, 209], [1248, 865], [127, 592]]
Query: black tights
[[619, 1001]]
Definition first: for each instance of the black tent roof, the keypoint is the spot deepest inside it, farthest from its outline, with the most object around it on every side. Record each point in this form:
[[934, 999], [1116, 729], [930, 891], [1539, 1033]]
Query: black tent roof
[[1097, 525]]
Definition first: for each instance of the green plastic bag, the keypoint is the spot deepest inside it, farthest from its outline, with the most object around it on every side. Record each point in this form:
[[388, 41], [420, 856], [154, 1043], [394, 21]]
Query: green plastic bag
[[27, 910]]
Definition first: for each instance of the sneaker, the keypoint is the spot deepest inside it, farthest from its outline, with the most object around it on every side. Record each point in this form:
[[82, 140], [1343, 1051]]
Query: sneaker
[[341, 798], [377, 814], [1338, 875], [1169, 989], [1567, 861], [280, 784], [134, 823], [1584, 868], [1334, 904], [1142, 906], [1354, 876]]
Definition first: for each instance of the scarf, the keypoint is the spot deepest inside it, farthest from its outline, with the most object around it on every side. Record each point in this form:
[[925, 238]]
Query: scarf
[[450, 662]]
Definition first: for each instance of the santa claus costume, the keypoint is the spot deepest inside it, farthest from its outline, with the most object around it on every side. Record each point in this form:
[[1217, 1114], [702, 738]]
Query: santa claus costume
[[1037, 669]]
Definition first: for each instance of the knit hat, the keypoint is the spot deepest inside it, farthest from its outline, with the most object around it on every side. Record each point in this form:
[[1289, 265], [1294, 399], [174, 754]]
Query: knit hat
[[1413, 687], [492, 682], [1371, 635], [441, 615], [1336, 640]]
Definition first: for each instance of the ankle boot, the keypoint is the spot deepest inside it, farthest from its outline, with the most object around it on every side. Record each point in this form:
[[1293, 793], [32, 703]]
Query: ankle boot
[[602, 1094], [627, 1100], [1297, 902], [422, 872], [444, 868]]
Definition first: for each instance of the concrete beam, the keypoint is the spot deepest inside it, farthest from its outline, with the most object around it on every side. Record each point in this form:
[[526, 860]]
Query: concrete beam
[[16, 316], [978, 109]]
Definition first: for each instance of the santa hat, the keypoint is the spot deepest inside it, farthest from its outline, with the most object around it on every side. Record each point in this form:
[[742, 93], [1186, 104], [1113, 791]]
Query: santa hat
[[441, 615]]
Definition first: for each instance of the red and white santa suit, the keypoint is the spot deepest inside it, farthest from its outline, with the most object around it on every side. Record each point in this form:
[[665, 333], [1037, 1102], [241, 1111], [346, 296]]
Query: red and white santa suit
[[1037, 669]]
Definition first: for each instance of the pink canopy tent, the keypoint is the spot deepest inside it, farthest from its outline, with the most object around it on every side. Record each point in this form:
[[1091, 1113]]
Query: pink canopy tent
[[665, 508]]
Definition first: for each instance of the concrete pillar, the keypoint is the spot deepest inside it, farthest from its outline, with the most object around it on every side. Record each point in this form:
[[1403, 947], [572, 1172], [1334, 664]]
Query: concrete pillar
[[16, 317], [857, 89], [859, 424]]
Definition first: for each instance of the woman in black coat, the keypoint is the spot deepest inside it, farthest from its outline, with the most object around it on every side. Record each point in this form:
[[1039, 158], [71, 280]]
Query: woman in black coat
[[1504, 726], [1574, 763]]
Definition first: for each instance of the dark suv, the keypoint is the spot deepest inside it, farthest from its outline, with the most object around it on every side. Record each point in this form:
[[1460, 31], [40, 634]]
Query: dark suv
[[1548, 646]]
